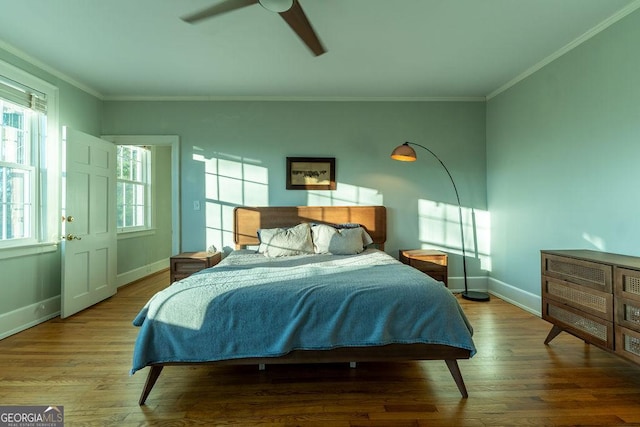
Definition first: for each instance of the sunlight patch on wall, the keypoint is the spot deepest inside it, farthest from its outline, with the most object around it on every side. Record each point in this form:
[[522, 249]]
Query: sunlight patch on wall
[[345, 195], [439, 228], [230, 183], [597, 242]]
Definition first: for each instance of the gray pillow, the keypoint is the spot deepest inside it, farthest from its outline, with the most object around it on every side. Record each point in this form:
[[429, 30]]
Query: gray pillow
[[345, 241], [277, 242]]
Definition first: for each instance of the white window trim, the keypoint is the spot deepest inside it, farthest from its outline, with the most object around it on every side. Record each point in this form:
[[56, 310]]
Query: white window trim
[[150, 202], [48, 200], [130, 234]]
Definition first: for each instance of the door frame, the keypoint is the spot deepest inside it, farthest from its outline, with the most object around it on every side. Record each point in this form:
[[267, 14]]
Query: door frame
[[161, 140]]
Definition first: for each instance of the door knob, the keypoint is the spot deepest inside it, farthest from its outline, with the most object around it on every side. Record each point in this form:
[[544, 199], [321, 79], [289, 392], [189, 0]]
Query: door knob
[[68, 218], [71, 237]]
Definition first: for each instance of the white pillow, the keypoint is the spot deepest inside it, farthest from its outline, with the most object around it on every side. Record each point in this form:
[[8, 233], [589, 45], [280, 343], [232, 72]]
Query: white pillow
[[276, 242], [345, 241]]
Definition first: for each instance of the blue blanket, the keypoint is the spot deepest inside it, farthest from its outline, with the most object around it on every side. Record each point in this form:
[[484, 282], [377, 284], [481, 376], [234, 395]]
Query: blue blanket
[[253, 306]]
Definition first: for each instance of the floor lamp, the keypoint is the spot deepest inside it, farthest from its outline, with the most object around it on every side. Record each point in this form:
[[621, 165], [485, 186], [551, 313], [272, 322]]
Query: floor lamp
[[405, 153]]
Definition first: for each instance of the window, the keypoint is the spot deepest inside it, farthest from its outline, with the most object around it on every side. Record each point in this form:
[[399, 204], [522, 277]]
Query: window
[[27, 185], [17, 161], [133, 187]]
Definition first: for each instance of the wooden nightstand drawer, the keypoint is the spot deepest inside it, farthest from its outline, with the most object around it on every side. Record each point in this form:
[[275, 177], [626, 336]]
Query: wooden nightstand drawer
[[185, 264], [429, 261]]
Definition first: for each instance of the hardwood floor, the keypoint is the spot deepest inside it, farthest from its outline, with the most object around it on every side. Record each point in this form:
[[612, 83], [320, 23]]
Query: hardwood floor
[[83, 362]]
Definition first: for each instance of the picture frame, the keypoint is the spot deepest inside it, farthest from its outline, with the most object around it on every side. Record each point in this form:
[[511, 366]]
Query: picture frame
[[311, 173]]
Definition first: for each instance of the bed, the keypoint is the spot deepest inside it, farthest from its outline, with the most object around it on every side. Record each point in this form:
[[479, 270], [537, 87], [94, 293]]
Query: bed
[[284, 304]]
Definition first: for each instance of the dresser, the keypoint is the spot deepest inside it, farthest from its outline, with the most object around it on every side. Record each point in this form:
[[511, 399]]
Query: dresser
[[429, 261], [185, 264], [594, 296]]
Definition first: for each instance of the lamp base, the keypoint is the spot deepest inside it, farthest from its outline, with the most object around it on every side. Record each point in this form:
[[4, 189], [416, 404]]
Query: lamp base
[[475, 296]]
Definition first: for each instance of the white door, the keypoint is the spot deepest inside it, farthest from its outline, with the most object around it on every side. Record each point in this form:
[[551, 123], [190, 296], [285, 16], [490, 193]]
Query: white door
[[89, 221]]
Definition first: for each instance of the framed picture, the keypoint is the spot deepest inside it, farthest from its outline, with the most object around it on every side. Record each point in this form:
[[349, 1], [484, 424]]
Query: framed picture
[[311, 173]]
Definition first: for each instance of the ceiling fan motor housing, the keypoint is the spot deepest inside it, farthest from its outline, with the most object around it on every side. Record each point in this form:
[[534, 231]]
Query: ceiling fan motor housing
[[276, 5]]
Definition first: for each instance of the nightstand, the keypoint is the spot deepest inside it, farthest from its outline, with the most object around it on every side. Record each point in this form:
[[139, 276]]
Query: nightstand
[[429, 261], [185, 264]]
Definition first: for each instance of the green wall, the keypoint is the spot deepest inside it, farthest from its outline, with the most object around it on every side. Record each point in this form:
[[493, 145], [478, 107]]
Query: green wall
[[233, 153], [31, 279], [562, 157]]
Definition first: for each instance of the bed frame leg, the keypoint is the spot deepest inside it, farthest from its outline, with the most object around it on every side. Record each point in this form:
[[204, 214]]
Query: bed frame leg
[[154, 373], [457, 376]]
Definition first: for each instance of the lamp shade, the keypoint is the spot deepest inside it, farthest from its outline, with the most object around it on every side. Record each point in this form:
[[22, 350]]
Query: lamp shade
[[276, 5], [404, 153]]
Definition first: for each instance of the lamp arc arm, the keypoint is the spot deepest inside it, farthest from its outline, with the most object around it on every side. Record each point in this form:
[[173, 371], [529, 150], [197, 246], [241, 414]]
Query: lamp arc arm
[[455, 189]]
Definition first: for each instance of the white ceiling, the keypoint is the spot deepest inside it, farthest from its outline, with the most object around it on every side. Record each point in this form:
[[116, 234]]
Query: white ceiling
[[379, 49]]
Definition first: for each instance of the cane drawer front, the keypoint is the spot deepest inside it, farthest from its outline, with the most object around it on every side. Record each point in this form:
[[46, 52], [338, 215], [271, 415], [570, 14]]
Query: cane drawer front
[[589, 300], [593, 275], [590, 328], [627, 283], [628, 343], [628, 313]]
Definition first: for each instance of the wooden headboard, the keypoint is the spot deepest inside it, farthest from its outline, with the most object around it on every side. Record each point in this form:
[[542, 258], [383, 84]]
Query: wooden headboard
[[247, 220]]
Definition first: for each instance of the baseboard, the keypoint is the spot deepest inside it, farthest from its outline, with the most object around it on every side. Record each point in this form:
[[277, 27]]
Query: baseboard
[[26, 317], [523, 299], [475, 283], [139, 273]]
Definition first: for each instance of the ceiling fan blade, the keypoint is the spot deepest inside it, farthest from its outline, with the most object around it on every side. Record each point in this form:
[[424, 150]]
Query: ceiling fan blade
[[218, 9], [299, 23]]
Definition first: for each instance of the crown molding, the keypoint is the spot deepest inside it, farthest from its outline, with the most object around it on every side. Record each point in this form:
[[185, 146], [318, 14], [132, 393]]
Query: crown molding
[[299, 98], [47, 68], [56, 73], [630, 8]]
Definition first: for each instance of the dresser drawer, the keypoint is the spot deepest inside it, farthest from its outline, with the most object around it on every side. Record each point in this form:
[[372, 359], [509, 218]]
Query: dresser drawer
[[628, 313], [590, 328], [594, 302], [590, 274], [627, 283], [628, 343]]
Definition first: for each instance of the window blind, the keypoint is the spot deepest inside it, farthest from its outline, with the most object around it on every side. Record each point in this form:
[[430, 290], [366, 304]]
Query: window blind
[[22, 95]]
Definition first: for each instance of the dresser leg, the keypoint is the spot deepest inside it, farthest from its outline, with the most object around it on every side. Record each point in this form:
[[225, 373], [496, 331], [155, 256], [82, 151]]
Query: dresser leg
[[555, 330]]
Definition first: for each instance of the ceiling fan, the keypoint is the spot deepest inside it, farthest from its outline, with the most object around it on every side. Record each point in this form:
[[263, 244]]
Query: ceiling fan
[[290, 10]]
